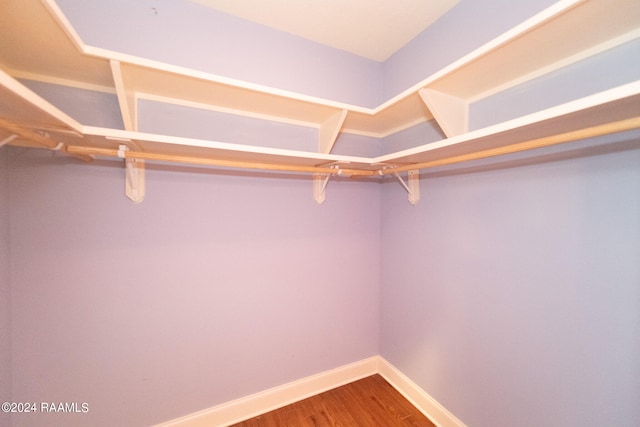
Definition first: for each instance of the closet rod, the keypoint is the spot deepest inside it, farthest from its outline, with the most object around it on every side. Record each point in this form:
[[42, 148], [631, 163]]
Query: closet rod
[[590, 132], [28, 134], [80, 150], [41, 139]]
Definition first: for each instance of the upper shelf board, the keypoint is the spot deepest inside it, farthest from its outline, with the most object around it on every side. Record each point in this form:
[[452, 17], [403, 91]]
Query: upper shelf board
[[24, 107], [610, 107], [607, 108], [48, 48], [562, 34]]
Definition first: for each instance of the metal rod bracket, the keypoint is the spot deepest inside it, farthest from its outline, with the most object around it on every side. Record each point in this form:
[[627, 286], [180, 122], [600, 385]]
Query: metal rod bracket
[[412, 185], [134, 175], [320, 181]]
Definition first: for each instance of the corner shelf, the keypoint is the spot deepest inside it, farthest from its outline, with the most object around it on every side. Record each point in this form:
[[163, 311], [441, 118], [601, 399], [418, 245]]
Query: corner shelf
[[51, 51]]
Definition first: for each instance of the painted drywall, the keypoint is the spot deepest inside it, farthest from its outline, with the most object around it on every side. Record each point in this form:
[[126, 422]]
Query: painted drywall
[[511, 292], [178, 120], [464, 28], [128, 306], [168, 119], [191, 35], [349, 144], [217, 286], [89, 107], [420, 134], [5, 289]]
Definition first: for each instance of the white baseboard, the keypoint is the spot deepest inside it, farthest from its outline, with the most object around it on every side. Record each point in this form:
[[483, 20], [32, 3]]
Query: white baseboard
[[417, 396], [277, 397]]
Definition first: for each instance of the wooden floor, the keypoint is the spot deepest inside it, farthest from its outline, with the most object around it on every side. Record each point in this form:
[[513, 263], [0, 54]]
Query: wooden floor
[[369, 402]]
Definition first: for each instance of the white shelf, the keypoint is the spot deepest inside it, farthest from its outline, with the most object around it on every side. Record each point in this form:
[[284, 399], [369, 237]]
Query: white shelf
[[604, 108], [49, 50]]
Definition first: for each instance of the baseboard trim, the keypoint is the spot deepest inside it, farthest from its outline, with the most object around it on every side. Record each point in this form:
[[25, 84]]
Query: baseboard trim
[[430, 407], [277, 397]]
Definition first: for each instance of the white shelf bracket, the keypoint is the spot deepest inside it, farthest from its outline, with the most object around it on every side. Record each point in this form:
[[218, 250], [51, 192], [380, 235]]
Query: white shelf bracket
[[126, 97], [412, 185], [329, 131], [320, 181], [451, 113], [134, 176]]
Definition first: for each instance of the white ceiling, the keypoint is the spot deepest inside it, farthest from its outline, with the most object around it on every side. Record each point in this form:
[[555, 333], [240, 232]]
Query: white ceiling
[[373, 29]]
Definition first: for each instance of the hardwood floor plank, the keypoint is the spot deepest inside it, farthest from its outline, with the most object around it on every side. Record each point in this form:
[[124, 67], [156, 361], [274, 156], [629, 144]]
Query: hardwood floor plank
[[337, 408], [296, 414], [356, 403], [369, 402]]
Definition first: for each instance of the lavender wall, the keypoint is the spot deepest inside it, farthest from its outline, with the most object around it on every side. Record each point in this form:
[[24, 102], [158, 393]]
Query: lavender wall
[[217, 286], [177, 120], [5, 289], [91, 108], [414, 136], [168, 119], [511, 292], [188, 34]]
